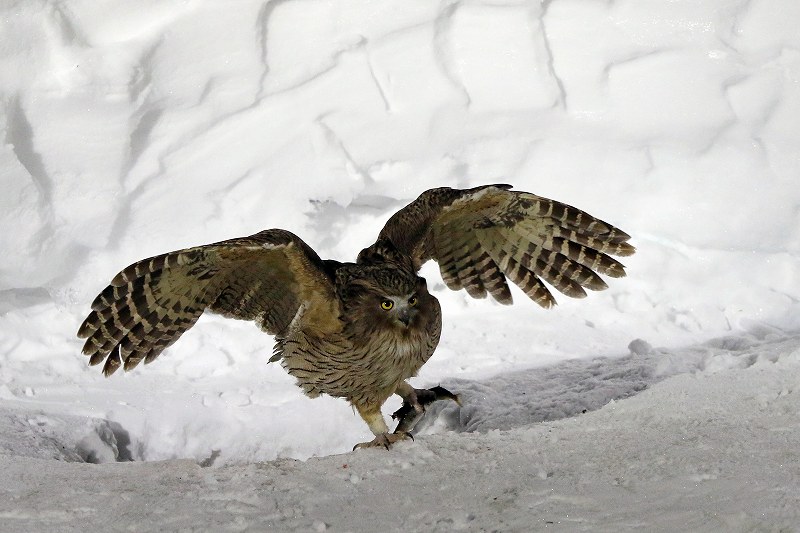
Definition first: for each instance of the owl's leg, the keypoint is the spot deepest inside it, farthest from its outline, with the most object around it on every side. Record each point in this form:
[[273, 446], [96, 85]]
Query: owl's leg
[[412, 397], [374, 418], [414, 402]]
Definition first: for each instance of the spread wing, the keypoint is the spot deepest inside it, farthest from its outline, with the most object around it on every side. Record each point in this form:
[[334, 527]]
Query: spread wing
[[151, 303], [484, 235]]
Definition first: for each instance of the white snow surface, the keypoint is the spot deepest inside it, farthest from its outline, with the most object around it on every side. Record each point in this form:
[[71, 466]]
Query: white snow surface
[[669, 401]]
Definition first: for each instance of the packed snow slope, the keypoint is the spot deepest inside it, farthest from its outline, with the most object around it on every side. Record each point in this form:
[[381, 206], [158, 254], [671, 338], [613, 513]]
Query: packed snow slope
[[712, 450], [134, 128]]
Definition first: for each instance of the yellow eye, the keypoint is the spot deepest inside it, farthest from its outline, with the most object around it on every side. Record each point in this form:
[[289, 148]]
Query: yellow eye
[[387, 304], [412, 301]]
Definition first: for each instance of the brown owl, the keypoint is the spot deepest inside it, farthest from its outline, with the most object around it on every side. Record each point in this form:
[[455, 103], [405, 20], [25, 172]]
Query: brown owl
[[359, 330]]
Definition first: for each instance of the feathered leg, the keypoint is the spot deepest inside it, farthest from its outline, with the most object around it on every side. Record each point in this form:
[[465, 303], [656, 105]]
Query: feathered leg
[[374, 418]]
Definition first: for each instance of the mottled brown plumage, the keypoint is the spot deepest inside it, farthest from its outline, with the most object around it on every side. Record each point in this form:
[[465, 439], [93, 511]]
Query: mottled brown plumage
[[358, 330]]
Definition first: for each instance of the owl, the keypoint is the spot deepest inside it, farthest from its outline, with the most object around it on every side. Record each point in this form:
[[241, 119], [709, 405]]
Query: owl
[[359, 330]]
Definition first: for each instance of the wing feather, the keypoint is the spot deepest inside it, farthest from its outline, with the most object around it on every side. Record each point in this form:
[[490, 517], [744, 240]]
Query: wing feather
[[151, 303], [482, 236]]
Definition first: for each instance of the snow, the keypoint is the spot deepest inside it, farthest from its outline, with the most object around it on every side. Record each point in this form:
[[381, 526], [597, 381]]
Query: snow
[[713, 450], [667, 401]]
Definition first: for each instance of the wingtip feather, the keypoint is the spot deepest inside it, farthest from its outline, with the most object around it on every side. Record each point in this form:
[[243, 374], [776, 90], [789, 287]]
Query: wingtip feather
[[113, 362], [86, 328]]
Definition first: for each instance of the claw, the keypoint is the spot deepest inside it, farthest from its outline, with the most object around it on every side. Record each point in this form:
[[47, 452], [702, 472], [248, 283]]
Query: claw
[[385, 440]]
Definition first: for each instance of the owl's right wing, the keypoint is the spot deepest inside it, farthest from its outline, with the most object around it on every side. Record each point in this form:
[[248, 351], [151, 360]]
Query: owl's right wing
[[265, 278], [482, 236]]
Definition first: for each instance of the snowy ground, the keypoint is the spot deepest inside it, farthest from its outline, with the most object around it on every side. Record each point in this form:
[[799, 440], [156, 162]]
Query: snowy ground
[[710, 450], [668, 401]]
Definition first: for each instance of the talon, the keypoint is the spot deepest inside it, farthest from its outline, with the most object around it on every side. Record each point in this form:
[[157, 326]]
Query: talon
[[384, 440]]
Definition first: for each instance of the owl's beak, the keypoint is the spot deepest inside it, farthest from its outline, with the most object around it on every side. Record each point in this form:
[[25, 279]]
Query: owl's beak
[[404, 316]]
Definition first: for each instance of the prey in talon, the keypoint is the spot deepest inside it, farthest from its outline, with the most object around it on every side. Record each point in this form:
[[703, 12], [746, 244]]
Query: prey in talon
[[359, 330], [413, 409]]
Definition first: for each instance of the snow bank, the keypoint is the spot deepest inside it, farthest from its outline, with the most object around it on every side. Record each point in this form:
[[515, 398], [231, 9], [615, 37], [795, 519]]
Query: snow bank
[[712, 450]]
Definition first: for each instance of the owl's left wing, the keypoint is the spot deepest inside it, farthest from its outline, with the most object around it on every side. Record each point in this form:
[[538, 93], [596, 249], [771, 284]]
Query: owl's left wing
[[265, 278], [482, 235]]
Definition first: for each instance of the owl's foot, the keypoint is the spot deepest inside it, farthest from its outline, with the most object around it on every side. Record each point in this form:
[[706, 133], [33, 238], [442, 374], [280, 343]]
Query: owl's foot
[[384, 440], [414, 404]]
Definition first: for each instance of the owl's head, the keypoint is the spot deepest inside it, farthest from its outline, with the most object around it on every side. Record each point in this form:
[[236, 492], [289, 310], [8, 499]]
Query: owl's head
[[400, 310], [386, 297]]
